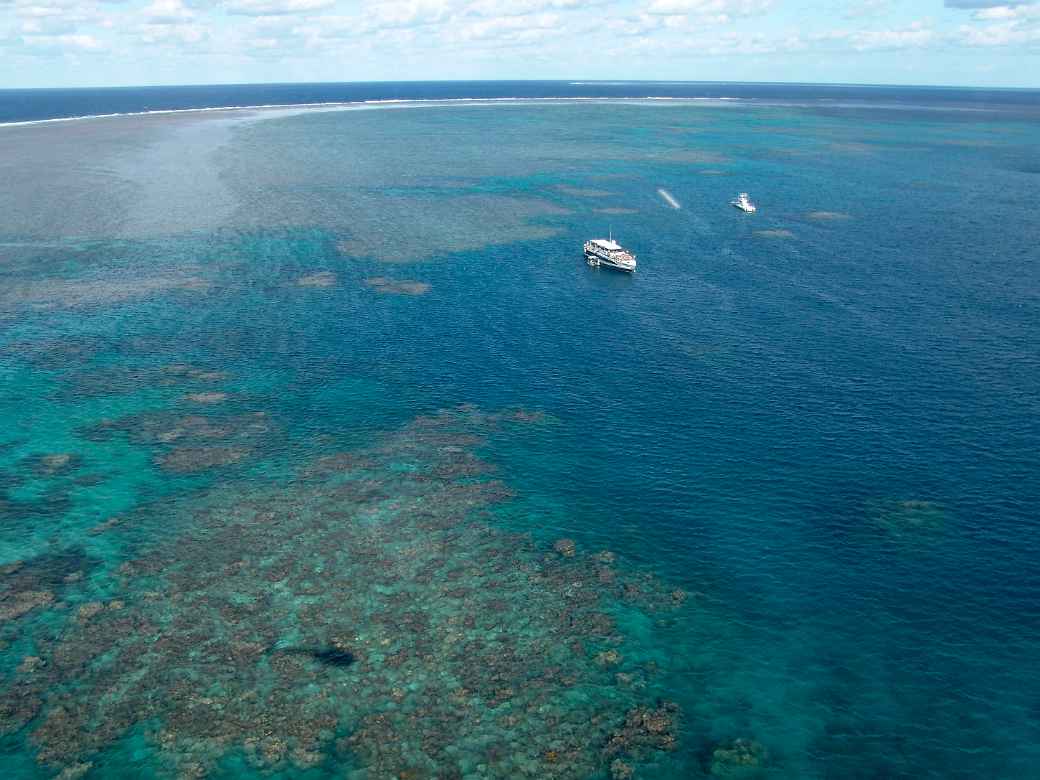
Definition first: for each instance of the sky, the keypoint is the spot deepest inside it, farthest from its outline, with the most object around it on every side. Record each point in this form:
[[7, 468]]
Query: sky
[[57, 43]]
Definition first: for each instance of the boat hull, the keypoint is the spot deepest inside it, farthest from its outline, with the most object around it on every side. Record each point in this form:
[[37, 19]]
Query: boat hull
[[597, 261]]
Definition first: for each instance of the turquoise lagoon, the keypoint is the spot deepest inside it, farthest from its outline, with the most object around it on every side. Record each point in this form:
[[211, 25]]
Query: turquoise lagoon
[[324, 454]]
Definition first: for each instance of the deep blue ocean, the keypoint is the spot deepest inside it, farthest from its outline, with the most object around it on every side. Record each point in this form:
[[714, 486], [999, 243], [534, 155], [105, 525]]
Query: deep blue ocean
[[323, 453]]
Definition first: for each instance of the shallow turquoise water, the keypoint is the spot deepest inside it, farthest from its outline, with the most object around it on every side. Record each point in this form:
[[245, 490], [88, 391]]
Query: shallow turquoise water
[[815, 428]]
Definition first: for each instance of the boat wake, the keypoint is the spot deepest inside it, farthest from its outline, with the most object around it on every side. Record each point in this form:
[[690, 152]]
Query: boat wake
[[669, 198]]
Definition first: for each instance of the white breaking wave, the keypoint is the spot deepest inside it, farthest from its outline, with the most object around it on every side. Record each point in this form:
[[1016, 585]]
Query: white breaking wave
[[357, 104], [669, 199]]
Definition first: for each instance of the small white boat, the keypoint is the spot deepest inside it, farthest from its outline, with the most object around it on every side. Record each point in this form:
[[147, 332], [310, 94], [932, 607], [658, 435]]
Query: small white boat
[[609, 253], [744, 203]]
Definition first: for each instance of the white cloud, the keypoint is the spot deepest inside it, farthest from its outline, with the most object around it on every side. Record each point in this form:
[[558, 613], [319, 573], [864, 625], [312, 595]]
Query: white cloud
[[637, 25], [509, 28], [719, 10], [38, 11], [42, 8], [523, 7], [1008, 13], [1001, 24], [179, 35], [276, 7], [463, 38], [984, 3], [917, 35], [865, 8], [48, 25], [167, 12], [407, 13], [1007, 34], [63, 43]]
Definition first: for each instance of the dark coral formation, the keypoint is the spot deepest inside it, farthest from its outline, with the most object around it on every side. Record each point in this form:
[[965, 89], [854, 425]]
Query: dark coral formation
[[25, 585], [53, 464], [14, 604], [741, 759], [190, 443], [168, 427], [645, 730], [118, 379], [367, 612], [188, 460]]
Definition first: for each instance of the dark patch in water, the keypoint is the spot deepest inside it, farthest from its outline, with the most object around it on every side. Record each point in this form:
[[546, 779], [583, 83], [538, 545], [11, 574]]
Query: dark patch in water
[[51, 504], [327, 656], [1025, 164], [48, 571]]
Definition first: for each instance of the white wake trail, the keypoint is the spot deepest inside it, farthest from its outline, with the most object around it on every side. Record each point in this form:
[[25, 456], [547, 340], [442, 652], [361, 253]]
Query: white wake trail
[[669, 199]]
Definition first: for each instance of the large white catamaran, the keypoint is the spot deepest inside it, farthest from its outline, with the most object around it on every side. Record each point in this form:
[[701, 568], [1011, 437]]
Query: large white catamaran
[[608, 252]]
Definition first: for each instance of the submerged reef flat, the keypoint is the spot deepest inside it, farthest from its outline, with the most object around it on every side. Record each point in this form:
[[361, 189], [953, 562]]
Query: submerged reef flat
[[582, 192], [53, 464], [616, 210], [190, 443], [54, 354], [411, 229], [368, 614], [852, 147], [70, 293], [775, 233], [93, 381], [206, 398], [319, 279], [828, 216], [907, 517], [695, 156], [390, 286]]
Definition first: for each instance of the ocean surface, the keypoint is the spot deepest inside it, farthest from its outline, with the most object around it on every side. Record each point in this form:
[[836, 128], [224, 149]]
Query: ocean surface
[[324, 454]]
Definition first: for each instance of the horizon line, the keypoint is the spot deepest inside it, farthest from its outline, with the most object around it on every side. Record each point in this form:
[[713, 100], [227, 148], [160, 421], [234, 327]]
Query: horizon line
[[618, 82]]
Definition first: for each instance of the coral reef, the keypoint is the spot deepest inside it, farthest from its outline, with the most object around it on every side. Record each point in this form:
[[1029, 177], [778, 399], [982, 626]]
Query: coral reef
[[14, 605], [188, 460], [53, 464], [319, 279], [54, 293], [365, 612], [206, 398], [390, 286], [741, 759], [645, 730], [191, 443], [105, 525], [167, 427], [488, 220], [119, 379], [906, 517], [193, 373], [581, 192], [565, 547], [32, 584]]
